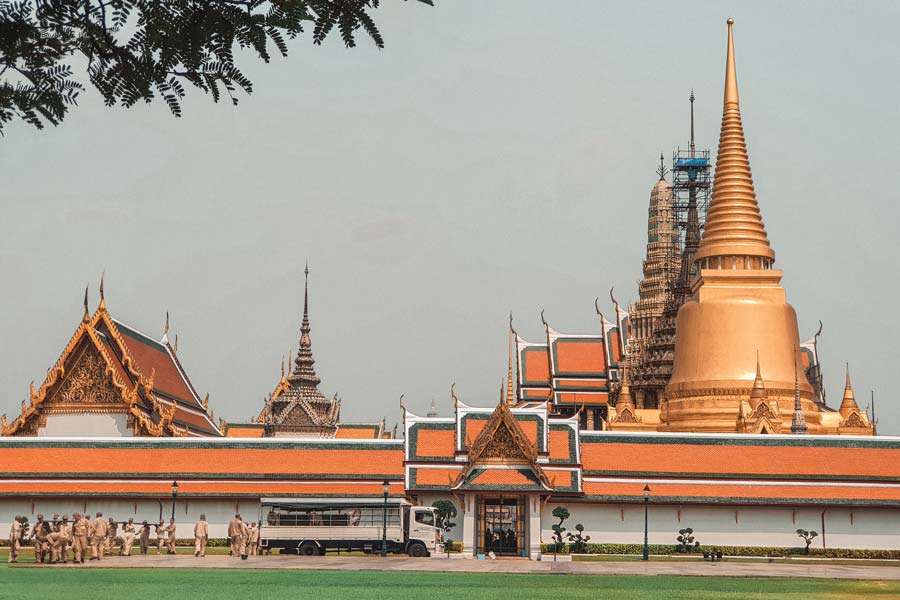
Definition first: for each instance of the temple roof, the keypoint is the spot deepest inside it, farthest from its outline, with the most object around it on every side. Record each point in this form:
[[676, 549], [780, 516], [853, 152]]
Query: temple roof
[[111, 367], [297, 404]]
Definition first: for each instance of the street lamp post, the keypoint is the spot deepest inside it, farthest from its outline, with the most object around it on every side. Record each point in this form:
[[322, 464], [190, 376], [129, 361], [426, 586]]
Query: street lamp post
[[387, 488], [646, 503], [174, 495]]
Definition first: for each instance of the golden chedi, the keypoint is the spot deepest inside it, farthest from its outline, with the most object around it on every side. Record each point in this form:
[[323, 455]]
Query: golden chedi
[[738, 306]]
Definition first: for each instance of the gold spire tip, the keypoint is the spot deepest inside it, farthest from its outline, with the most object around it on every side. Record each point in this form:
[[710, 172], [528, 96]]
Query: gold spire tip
[[730, 21]]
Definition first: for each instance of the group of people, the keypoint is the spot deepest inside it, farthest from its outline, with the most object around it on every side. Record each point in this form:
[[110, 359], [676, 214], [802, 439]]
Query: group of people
[[53, 540], [243, 539]]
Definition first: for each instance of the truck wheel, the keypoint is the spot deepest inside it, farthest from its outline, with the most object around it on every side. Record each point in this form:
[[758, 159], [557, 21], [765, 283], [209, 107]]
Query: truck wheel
[[309, 549], [417, 550]]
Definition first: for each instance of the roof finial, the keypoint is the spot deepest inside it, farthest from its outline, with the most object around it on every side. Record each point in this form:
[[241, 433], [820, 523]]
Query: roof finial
[[662, 171], [282, 366], [165, 337], [543, 320], [692, 122], [453, 395], [798, 423], [510, 389], [102, 296], [87, 314], [175, 347]]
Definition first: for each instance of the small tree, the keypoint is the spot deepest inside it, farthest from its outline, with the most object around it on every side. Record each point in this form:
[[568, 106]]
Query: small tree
[[807, 537], [686, 541], [446, 511], [561, 513], [579, 540]]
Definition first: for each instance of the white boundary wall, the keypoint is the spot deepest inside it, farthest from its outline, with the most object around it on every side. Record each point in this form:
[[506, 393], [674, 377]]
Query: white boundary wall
[[872, 528]]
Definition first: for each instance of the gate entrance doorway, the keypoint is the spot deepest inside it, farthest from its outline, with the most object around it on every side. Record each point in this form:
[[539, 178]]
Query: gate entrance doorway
[[500, 526]]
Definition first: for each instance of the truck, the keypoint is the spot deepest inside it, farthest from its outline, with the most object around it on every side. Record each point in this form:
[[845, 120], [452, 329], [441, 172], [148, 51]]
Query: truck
[[314, 526]]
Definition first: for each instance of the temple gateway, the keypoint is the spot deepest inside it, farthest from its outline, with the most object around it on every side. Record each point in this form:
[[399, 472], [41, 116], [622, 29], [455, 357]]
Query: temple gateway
[[699, 401]]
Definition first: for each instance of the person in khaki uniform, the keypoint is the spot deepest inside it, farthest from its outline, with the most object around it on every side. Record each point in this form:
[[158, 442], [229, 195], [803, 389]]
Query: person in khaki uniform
[[234, 535], [98, 537], [127, 537], [170, 537], [201, 536], [59, 541], [80, 537], [15, 536], [112, 532], [245, 538], [253, 540], [145, 537], [160, 531], [38, 538]]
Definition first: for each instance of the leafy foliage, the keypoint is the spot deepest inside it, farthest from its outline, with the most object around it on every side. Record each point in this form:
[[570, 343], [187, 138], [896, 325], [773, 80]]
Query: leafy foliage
[[446, 511], [807, 537], [686, 542], [578, 540], [561, 513], [141, 50]]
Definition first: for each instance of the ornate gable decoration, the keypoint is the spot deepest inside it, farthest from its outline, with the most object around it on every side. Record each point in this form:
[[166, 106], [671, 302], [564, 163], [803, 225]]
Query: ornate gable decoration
[[502, 442], [90, 377]]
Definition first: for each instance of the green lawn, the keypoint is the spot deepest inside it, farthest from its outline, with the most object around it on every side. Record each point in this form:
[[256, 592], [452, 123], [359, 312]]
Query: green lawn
[[119, 584]]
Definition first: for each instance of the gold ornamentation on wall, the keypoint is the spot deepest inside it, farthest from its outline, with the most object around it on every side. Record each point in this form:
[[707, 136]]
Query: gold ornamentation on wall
[[87, 383]]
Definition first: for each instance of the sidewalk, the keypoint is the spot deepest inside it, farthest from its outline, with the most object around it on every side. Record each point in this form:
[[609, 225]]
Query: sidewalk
[[374, 563]]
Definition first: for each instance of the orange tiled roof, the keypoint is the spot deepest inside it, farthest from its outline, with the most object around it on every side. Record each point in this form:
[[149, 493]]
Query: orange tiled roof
[[774, 456], [237, 459]]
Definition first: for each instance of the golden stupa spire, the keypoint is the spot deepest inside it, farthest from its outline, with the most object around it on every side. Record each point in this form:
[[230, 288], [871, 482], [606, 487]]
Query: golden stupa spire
[[735, 236], [510, 389], [848, 404]]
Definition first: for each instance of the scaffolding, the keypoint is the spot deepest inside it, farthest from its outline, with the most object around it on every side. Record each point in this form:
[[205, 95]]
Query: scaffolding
[[691, 185]]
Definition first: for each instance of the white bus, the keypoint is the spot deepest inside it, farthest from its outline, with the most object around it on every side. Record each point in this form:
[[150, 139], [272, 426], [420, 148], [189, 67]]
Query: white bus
[[312, 526]]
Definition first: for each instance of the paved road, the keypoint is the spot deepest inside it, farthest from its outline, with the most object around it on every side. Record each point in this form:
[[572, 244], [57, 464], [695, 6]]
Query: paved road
[[733, 569]]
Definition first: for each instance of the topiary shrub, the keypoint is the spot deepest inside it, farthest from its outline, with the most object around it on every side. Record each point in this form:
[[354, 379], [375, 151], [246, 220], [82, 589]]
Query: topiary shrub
[[686, 542]]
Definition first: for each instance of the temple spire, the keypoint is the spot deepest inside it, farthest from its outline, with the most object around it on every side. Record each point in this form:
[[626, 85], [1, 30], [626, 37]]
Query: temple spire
[[304, 373], [624, 399], [102, 295], [510, 387], [662, 170], [798, 422], [848, 404], [735, 236], [692, 123], [758, 393]]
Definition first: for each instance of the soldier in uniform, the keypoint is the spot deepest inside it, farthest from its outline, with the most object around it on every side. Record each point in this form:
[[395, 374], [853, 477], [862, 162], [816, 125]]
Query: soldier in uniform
[[65, 538], [170, 538], [98, 537], [38, 538], [234, 535], [112, 537], [253, 541], [127, 537], [245, 538], [15, 536], [80, 537], [201, 536], [145, 537], [160, 531]]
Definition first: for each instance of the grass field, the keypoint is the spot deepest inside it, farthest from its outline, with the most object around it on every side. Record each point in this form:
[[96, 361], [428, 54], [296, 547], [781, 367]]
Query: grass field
[[208, 584]]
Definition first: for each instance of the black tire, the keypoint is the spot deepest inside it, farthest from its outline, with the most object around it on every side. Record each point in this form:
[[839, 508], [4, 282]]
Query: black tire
[[417, 550], [308, 549]]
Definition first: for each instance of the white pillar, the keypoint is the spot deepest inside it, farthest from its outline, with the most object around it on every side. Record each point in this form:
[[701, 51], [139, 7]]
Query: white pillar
[[468, 526], [534, 527]]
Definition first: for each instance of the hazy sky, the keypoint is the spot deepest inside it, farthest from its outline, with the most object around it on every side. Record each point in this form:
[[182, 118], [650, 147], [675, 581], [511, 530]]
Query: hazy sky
[[496, 156]]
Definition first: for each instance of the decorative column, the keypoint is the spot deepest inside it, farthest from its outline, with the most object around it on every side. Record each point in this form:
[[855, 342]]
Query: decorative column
[[534, 527], [468, 526]]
